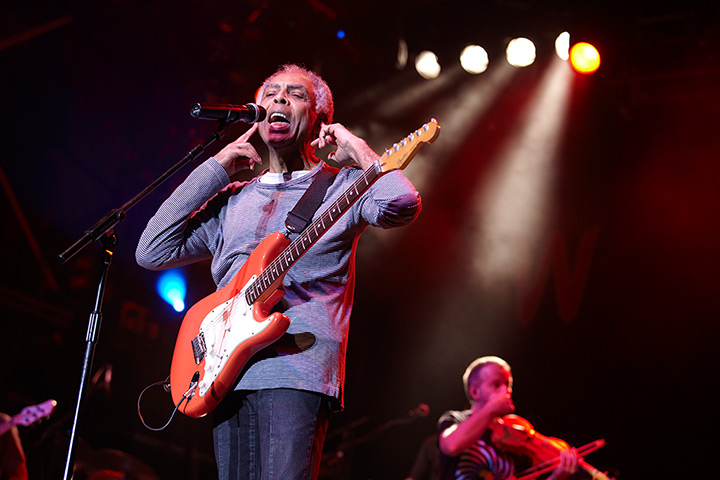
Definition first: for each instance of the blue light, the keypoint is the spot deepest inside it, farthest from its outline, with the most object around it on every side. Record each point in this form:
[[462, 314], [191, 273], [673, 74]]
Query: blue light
[[340, 34], [171, 287]]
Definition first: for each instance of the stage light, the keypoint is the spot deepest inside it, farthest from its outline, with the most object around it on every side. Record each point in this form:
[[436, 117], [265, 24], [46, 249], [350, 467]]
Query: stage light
[[562, 45], [520, 52], [171, 287], [474, 59], [402, 54], [584, 58], [426, 64]]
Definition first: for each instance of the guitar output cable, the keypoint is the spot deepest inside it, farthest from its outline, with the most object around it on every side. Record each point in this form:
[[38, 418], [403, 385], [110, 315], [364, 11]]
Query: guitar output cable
[[166, 386]]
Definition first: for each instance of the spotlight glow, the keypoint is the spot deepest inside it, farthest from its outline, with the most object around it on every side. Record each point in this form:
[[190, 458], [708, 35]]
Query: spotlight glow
[[520, 52], [474, 59], [562, 45], [584, 58], [426, 64], [172, 288], [517, 199], [402, 54]]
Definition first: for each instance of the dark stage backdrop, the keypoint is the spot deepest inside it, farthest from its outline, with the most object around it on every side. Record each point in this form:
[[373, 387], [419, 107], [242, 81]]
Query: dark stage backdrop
[[611, 327]]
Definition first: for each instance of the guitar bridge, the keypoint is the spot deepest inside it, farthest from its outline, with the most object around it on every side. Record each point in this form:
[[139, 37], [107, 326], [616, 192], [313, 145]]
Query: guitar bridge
[[199, 348]]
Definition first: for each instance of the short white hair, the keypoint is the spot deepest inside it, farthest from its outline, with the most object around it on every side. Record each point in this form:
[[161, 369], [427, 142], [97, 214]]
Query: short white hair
[[324, 105]]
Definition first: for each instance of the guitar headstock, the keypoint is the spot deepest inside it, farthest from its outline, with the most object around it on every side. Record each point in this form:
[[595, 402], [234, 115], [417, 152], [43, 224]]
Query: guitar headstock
[[402, 152], [32, 414]]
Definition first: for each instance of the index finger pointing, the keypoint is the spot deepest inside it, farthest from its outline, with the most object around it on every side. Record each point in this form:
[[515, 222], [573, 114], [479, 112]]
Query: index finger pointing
[[249, 133]]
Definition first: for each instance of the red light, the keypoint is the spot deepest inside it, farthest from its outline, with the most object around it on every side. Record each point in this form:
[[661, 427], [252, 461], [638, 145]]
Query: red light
[[584, 58]]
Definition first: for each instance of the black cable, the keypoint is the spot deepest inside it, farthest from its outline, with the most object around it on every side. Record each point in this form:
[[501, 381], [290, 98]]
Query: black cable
[[166, 383]]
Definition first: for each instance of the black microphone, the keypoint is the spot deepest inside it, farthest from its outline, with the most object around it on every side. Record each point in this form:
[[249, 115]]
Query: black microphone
[[248, 113]]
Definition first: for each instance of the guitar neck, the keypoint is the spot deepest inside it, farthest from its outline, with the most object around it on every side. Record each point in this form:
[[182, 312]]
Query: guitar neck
[[12, 422], [5, 427], [395, 158], [297, 248]]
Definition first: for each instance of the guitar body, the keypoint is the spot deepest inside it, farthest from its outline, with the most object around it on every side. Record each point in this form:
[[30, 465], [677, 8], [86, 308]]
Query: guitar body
[[221, 332]]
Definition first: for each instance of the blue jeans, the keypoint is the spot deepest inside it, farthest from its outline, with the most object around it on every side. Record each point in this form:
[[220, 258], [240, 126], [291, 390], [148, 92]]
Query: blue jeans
[[270, 434]]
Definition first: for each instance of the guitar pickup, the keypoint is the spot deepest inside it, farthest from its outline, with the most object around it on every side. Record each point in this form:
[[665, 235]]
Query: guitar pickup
[[199, 348]]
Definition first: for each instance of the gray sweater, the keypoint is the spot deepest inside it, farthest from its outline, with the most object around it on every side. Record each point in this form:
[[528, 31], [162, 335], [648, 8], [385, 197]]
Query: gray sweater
[[207, 217]]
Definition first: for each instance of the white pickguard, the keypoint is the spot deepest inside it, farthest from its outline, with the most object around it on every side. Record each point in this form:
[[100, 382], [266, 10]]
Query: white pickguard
[[225, 327]]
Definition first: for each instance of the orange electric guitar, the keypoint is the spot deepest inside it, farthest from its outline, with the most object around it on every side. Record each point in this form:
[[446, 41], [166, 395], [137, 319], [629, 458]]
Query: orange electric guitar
[[29, 415], [222, 331]]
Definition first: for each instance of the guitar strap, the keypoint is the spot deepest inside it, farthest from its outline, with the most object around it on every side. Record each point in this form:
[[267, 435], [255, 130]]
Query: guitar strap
[[300, 216]]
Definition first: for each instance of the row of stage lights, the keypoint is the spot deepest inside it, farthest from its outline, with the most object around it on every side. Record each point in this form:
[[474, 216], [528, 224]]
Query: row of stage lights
[[520, 52]]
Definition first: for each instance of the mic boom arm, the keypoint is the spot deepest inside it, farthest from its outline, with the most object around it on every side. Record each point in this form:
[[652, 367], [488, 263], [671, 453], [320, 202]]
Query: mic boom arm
[[249, 113]]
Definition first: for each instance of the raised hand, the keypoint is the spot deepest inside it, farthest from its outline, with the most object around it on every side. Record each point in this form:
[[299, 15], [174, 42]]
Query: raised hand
[[500, 402], [351, 148], [239, 155]]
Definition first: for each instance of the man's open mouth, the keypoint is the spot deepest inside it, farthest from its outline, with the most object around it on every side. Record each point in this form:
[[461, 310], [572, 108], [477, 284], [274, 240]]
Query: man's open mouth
[[277, 117]]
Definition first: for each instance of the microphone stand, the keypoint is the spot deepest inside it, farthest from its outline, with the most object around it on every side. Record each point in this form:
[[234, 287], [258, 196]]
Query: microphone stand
[[104, 230], [349, 441]]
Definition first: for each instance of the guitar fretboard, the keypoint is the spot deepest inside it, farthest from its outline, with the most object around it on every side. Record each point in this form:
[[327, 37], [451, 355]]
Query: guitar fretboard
[[310, 235]]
